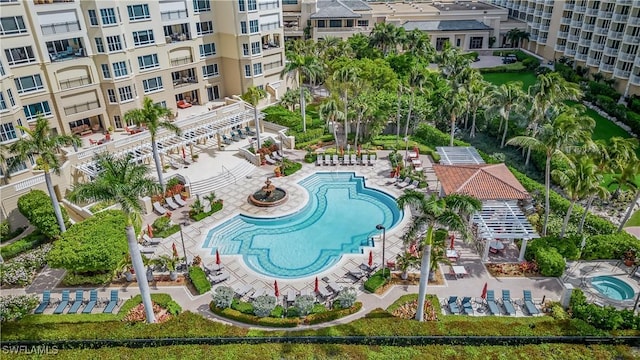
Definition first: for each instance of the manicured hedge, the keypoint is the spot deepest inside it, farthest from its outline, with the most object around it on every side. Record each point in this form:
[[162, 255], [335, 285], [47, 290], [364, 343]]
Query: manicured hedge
[[602, 317], [376, 280], [215, 207], [27, 243], [332, 314], [568, 248], [37, 208], [609, 246], [199, 279], [252, 319], [550, 262]]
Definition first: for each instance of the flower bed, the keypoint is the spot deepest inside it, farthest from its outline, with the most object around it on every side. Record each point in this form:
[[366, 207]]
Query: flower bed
[[137, 314], [408, 311], [21, 270], [524, 269]]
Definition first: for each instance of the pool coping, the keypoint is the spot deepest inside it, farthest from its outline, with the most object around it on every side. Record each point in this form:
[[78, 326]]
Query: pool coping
[[580, 273]]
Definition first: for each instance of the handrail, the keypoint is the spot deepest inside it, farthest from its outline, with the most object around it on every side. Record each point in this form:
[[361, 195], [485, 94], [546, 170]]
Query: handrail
[[235, 180]]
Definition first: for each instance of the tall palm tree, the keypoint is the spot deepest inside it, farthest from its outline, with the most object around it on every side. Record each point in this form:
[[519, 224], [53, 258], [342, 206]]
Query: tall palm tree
[[577, 180], [429, 212], [364, 105], [622, 152], [42, 143], [306, 67], [289, 100], [455, 105], [417, 43], [386, 37], [6, 165], [123, 182], [476, 97], [565, 133], [154, 117], [516, 36], [415, 82], [632, 173], [507, 98], [330, 113], [346, 77], [253, 97]]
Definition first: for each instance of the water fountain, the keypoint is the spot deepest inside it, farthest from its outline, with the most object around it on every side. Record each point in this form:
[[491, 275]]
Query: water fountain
[[269, 195]]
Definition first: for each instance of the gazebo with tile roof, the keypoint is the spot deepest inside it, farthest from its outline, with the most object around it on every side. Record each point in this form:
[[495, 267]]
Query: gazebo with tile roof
[[497, 188]]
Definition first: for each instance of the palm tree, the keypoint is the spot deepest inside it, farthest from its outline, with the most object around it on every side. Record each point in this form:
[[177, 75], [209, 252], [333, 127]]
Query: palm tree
[[417, 43], [253, 97], [290, 99], [580, 172], [622, 152], [456, 103], [44, 144], [386, 37], [516, 36], [6, 165], [150, 116], [415, 81], [632, 173], [476, 95], [429, 212], [306, 67], [346, 77], [329, 111], [567, 131], [123, 182], [364, 105], [507, 98]]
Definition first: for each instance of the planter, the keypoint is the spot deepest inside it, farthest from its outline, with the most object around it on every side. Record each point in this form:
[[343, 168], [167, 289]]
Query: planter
[[405, 276], [128, 276], [173, 276], [628, 262], [149, 275]]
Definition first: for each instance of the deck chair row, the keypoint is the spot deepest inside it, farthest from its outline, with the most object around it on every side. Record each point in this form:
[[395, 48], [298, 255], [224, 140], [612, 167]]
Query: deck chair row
[[464, 306], [76, 303]]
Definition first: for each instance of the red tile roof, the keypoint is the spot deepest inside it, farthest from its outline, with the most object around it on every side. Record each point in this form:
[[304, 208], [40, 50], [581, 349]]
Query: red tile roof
[[483, 181]]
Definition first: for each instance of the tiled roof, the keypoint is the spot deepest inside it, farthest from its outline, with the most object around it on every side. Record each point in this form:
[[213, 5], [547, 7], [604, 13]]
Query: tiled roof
[[336, 9], [445, 25], [484, 181]]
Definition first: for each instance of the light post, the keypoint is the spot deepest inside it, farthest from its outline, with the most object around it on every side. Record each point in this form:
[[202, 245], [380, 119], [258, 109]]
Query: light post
[[384, 265], [184, 249]]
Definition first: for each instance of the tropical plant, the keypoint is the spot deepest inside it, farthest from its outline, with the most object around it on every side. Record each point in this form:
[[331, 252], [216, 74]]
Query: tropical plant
[[406, 261], [347, 297], [306, 67], [507, 98], [576, 180], [124, 182], [43, 143], [264, 305], [304, 304], [253, 97], [345, 77], [330, 113], [415, 82], [38, 209], [432, 211], [417, 43], [475, 92], [630, 177], [516, 36], [14, 307], [386, 37], [223, 296], [456, 104]]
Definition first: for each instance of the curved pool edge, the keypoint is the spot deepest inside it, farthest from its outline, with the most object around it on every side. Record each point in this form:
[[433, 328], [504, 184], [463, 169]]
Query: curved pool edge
[[591, 290]]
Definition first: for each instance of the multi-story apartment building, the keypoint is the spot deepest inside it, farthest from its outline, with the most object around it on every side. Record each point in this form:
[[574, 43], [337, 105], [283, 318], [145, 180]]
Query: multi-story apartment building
[[83, 64], [602, 35]]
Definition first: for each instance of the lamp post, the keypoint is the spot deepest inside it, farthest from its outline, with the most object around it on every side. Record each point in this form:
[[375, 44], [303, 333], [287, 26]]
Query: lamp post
[[384, 265], [184, 249]]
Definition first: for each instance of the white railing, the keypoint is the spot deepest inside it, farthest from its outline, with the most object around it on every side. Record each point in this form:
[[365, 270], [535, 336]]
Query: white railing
[[25, 184], [621, 73]]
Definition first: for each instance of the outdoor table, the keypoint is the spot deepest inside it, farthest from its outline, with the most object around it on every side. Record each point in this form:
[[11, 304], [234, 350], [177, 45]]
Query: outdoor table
[[416, 162], [496, 244], [459, 271], [452, 254]]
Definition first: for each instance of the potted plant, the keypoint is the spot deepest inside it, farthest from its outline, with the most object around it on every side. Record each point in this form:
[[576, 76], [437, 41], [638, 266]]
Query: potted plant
[[405, 261], [629, 257], [195, 157], [125, 267], [277, 172], [169, 263]]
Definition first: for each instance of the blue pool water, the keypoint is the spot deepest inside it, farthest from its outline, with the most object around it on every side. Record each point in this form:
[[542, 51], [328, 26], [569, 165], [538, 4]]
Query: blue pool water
[[340, 217], [612, 288]]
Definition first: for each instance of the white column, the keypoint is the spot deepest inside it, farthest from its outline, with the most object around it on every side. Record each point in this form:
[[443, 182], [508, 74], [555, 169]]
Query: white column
[[522, 249], [485, 252]]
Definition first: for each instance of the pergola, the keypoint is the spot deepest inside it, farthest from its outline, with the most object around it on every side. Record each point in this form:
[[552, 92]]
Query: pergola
[[500, 220], [455, 155]]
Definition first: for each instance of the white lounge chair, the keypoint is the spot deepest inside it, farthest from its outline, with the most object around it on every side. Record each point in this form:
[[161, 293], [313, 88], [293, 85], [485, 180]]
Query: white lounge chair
[[159, 209], [219, 278], [258, 293], [174, 165], [335, 287], [365, 160], [324, 292], [276, 156], [414, 185], [171, 204], [243, 290], [178, 199], [404, 183], [146, 250], [269, 160], [336, 160], [319, 160], [327, 159], [372, 159], [147, 241], [354, 159], [291, 295], [357, 274]]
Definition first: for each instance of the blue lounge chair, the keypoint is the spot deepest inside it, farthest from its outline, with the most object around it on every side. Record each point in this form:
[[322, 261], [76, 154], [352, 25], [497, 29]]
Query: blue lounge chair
[[528, 303], [226, 140], [63, 303], [491, 303], [241, 134], [112, 302], [467, 308], [93, 300], [506, 302], [249, 131], [46, 299], [77, 303], [453, 305]]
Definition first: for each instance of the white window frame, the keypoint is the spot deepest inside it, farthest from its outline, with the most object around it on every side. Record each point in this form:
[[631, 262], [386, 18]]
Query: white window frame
[[245, 49], [114, 43], [120, 69], [207, 50], [143, 10], [18, 166], [254, 26], [125, 94], [139, 38], [208, 30], [93, 17], [247, 71], [6, 130], [12, 101], [152, 57], [201, 6], [108, 17], [257, 69], [38, 85], [256, 48], [106, 72], [149, 86], [111, 96], [27, 50], [31, 115], [252, 5], [99, 45], [18, 22], [210, 70], [243, 27]]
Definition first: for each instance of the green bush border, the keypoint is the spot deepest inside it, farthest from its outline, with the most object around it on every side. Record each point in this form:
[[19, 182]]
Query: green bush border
[[252, 319], [199, 279], [217, 206], [376, 280], [25, 244]]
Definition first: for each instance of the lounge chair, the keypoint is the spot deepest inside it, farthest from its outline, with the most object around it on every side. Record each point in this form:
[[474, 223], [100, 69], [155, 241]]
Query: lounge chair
[[372, 159], [261, 291], [212, 268], [270, 161], [226, 140], [491, 303], [327, 159], [322, 291], [528, 303], [357, 274], [174, 165], [241, 134], [186, 161], [243, 290], [222, 276], [46, 300], [353, 159], [146, 250], [404, 183], [93, 300], [413, 185], [113, 301], [335, 287], [319, 160], [249, 131], [63, 302], [467, 308], [506, 303], [178, 199], [171, 204], [148, 241], [291, 295], [452, 302], [365, 160], [368, 268], [159, 209], [77, 303], [276, 156], [335, 159]]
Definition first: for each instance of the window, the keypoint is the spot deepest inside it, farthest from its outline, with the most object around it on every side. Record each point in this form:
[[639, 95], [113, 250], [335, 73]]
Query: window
[[210, 70], [106, 73], [205, 27], [2, 73], [144, 37], [3, 105], [117, 121], [138, 12], [242, 5], [256, 48], [253, 26], [125, 93], [12, 25], [7, 133], [245, 49], [148, 61], [251, 5], [201, 5], [21, 55], [335, 23], [10, 96], [289, 2], [151, 85], [99, 45], [119, 69], [207, 49], [257, 69], [27, 84], [16, 164], [243, 27], [247, 70], [475, 43], [320, 23], [112, 96], [114, 44], [32, 111], [108, 16], [269, 4], [93, 17], [363, 23]]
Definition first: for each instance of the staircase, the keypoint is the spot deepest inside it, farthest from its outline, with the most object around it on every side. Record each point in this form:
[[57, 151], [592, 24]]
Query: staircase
[[228, 177]]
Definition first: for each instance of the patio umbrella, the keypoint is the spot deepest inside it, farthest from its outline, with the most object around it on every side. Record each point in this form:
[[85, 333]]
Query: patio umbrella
[[317, 285], [484, 291], [416, 150], [452, 238], [149, 230], [370, 258], [184, 154], [341, 151], [359, 150], [275, 288], [217, 257], [175, 250]]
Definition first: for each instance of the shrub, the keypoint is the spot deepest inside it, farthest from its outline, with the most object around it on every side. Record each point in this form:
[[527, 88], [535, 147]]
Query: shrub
[[37, 208], [223, 296], [605, 318], [173, 307], [199, 279], [277, 312], [550, 262], [596, 89], [25, 244], [74, 279], [346, 298], [263, 305], [243, 307], [303, 304], [161, 224], [633, 120], [252, 319], [215, 207], [332, 314], [21, 270], [567, 247], [290, 167], [531, 63], [14, 307], [376, 280], [612, 246]]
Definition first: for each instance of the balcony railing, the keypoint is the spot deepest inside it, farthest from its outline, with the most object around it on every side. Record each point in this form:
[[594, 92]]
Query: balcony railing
[[615, 35], [60, 28], [563, 34], [584, 42], [74, 109], [173, 15], [576, 23], [272, 65], [177, 38], [611, 51], [601, 31], [591, 61], [591, 11], [605, 14], [544, 28], [581, 57], [74, 83], [560, 48], [181, 61], [565, 21], [542, 39], [606, 67], [570, 52], [588, 27], [184, 81], [535, 25], [631, 39], [546, 15], [634, 79], [537, 13], [623, 56], [569, 6], [573, 38], [68, 54], [40, 2], [634, 21], [579, 9], [620, 18], [623, 74], [596, 46]]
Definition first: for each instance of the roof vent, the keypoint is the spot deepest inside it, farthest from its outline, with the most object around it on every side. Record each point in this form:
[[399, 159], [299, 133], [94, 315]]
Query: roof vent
[[473, 8]]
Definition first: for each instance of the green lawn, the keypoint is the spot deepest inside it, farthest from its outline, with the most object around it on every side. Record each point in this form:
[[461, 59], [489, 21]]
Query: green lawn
[[527, 78], [634, 220]]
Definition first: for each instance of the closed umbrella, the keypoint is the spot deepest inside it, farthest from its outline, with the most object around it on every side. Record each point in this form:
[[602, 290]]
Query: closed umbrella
[[484, 291], [149, 230], [175, 250], [317, 287], [184, 154], [275, 288], [370, 258], [452, 238], [217, 257]]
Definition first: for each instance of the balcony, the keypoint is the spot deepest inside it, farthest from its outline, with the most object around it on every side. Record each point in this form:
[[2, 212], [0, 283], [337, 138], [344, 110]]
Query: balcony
[[184, 78], [544, 28], [579, 9], [573, 38], [609, 51], [605, 14], [588, 27], [630, 39], [624, 2], [74, 83], [560, 48], [537, 13], [181, 61], [546, 15], [276, 65], [624, 56], [60, 28], [622, 74], [634, 79], [634, 21], [592, 12], [592, 61], [584, 42], [581, 57], [176, 33], [576, 23], [565, 21], [173, 15], [535, 25], [596, 46], [68, 49], [569, 6], [601, 31], [78, 108], [533, 37], [570, 52], [606, 67], [620, 18], [542, 40], [563, 34], [615, 35], [41, 2]]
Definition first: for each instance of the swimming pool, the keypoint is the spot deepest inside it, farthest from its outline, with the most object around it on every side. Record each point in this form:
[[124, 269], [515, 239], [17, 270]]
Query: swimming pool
[[612, 287], [339, 218]]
